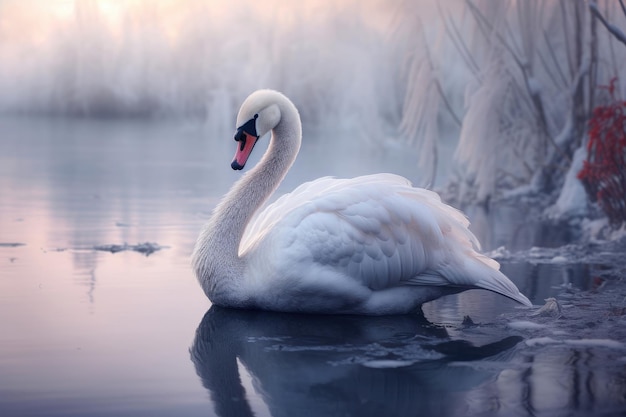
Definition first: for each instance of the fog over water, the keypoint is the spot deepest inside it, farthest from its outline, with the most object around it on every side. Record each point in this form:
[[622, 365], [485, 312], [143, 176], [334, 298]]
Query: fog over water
[[350, 67], [341, 62]]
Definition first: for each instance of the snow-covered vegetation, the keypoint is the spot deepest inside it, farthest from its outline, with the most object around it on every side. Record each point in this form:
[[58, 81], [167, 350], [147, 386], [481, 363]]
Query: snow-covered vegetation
[[537, 66], [538, 72], [513, 82]]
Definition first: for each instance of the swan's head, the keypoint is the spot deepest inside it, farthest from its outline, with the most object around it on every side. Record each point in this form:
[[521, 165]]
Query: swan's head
[[258, 114]]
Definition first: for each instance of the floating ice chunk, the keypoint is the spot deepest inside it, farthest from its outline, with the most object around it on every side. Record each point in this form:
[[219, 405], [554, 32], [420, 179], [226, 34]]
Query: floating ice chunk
[[111, 248], [550, 308], [387, 363], [500, 253], [559, 259], [608, 343], [540, 341], [526, 325], [146, 248]]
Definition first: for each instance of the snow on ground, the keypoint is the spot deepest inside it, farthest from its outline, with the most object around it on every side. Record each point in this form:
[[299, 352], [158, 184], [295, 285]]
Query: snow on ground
[[589, 319], [606, 252], [575, 319], [573, 199]]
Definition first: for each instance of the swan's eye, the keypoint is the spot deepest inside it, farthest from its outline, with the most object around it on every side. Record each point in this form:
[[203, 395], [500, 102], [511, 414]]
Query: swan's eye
[[248, 127]]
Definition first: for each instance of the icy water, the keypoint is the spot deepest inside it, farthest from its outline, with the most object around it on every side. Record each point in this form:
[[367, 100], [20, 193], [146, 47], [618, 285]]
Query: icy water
[[93, 324]]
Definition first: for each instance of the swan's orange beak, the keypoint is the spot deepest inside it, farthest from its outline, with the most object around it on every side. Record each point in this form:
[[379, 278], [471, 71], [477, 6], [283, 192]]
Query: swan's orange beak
[[244, 149]]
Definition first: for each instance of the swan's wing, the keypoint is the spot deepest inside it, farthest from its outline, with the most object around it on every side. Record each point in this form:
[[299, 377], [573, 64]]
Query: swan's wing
[[377, 229], [313, 192], [309, 196], [266, 220]]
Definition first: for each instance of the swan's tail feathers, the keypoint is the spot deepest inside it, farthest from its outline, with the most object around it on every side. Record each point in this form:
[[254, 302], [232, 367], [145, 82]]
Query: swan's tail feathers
[[497, 282], [478, 275]]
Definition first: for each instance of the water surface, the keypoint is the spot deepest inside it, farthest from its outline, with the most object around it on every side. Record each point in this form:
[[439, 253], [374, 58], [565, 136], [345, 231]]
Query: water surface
[[93, 333]]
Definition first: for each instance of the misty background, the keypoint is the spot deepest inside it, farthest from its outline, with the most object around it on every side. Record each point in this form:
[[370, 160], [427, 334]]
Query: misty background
[[507, 85]]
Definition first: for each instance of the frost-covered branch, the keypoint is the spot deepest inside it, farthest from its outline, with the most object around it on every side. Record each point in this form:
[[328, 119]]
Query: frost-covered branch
[[446, 102], [480, 17], [522, 63], [536, 75], [544, 62], [614, 30], [536, 65], [554, 58], [456, 38]]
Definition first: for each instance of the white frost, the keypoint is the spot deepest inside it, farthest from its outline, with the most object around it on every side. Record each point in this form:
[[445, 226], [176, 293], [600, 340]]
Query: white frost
[[387, 363], [608, 343], [526, 325], [534, 86], [540, 341], [559, 259], [573, 199], [619, 233]]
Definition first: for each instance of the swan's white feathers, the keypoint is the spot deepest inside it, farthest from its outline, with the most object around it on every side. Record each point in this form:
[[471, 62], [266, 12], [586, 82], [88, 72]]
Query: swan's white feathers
[[377, 230], [369, 245]]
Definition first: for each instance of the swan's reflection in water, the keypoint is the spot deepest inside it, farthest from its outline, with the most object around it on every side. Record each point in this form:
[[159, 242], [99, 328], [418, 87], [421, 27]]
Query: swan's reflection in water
[[303, 365]]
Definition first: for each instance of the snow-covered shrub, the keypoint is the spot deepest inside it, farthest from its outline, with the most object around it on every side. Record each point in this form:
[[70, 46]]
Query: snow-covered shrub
[[604, 171], [496, 151], [536, 68], [519, 128]]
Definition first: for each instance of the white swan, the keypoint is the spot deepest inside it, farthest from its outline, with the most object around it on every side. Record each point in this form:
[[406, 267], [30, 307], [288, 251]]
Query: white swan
[[368, 245]]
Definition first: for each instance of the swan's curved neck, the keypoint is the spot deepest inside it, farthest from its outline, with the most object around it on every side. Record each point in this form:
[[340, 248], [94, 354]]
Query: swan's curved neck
[[216, 257]]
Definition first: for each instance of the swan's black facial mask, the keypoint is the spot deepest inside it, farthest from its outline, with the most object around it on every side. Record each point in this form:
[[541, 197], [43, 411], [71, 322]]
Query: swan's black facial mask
[[247, 136]]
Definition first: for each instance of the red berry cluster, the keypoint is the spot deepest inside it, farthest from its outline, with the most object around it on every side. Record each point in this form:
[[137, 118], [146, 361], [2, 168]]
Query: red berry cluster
[[604, 171]]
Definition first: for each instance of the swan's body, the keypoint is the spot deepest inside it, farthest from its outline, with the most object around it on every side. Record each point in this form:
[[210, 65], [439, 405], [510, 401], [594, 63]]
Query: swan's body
[[367, 245]]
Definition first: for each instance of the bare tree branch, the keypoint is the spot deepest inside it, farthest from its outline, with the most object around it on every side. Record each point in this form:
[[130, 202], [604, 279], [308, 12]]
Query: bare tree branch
[[459, 44], [614, 30], [456, 118], [593, 65], [480, 19], [554, 58], [547, 69], [614, 63], [522, 64], [566, 33]]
